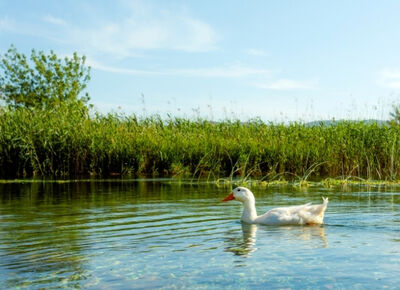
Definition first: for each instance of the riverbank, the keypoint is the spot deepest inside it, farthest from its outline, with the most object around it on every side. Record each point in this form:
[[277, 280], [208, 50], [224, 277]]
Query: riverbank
[[328, 183], [67, 142]]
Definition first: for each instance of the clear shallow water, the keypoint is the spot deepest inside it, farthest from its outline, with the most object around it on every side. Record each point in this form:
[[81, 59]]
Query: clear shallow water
[[159, 235]]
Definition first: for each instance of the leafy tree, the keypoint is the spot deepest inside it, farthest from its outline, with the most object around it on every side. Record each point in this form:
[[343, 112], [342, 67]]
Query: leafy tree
[[42, 81]]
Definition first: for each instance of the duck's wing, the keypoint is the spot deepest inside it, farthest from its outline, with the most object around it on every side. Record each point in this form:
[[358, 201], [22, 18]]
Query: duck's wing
[[283, 215], [299, 214]]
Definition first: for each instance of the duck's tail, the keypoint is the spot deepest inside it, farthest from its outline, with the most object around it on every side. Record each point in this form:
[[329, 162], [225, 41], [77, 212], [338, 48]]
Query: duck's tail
[[320, 208], [315, 213], [325, 203]]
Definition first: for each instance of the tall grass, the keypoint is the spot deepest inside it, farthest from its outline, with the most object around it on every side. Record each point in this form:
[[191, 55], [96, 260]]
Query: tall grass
[[68, 141]]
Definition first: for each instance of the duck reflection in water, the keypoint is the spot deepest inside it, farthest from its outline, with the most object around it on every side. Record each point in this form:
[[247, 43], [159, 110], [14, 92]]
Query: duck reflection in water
[[274, 238], [243, 246]]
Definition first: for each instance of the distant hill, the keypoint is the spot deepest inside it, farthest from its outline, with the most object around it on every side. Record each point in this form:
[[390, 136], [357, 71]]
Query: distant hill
[[335, 122]]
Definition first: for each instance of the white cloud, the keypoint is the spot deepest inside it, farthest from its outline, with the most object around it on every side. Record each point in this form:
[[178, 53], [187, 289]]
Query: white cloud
[[232, 71], [389, 78], [100, 66], [256, 52], [287, 84], [7, 24], [140, 28], [19, 27], [198, 35], [55, 20]]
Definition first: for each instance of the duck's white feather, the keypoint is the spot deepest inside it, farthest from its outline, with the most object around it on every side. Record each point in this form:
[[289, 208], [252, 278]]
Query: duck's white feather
[[294, 215]]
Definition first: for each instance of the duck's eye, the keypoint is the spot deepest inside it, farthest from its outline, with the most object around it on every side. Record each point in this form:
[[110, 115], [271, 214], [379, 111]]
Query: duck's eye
[[238, 189]]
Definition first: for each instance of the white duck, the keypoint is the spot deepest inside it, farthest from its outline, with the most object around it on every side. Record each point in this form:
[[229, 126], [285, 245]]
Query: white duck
[[305, 214]]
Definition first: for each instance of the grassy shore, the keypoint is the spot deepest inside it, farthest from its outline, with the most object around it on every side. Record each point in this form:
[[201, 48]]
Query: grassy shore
[[68, 141]]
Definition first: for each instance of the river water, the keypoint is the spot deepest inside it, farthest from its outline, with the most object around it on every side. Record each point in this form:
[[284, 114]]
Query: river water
[[162, 234]]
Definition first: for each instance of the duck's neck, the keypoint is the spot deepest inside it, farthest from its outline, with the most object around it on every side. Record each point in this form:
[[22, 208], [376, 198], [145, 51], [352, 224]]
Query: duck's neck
[[249, 211]]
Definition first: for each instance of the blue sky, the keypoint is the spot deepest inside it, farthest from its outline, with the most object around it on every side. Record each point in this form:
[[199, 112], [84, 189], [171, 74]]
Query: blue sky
[[277, 60]]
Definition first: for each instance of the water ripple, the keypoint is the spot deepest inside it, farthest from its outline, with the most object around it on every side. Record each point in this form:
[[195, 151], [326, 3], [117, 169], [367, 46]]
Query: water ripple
[[165, 237]]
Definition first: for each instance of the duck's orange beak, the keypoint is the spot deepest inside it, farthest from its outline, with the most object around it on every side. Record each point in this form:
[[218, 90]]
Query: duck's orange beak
[[229, 197]]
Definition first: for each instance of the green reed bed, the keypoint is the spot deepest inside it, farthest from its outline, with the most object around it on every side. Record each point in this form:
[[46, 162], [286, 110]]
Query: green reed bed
[[68, 141]]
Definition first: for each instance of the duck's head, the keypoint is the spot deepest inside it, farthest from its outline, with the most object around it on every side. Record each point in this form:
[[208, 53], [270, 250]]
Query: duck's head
[[241, 194]]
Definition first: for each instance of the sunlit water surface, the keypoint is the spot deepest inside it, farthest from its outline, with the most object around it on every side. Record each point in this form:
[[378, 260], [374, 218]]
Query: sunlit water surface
[[156, 234]]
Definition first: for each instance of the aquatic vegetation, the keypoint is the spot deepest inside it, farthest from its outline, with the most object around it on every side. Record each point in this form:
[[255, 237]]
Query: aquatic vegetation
[[69, 141]]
